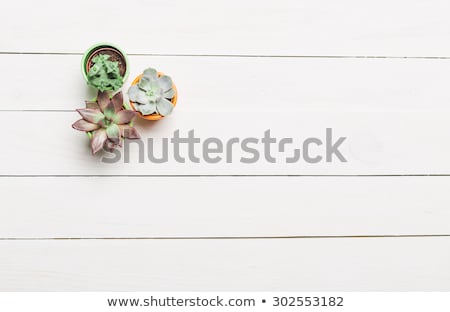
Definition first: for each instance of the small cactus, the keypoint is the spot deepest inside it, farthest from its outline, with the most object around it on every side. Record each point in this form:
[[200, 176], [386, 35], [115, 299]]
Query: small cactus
[[104, 74]]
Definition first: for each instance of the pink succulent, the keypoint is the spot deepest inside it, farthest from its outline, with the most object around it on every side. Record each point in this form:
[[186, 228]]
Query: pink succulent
[[108, 122]]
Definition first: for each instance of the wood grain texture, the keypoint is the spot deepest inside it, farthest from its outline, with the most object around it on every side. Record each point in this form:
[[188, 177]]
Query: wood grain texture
[[247, 84], [222, 206], [227, 265], [241, 67], [376, 144], [284, 27]]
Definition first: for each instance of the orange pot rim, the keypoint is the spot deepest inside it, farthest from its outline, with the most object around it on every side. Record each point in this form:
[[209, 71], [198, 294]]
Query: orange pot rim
[[153, 116]]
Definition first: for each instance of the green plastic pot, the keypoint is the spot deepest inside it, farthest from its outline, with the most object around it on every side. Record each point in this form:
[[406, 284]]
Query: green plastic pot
[[98, 46]]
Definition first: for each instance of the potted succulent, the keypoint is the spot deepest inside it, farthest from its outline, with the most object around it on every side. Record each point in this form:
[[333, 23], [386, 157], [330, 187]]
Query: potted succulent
[[105, 67], [152, 94], [106, 122]]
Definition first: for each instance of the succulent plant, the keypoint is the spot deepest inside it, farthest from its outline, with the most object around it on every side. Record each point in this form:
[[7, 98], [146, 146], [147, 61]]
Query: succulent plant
[[107, 121], [104, 74], [153, 93]]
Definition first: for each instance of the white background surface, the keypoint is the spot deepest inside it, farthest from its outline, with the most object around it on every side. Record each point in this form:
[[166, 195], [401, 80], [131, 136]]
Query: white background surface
[[374, 71]]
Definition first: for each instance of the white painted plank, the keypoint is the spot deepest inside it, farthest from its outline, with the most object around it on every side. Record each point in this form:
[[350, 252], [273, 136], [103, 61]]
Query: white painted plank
[[244, 84], [397, 264], [223, 207], [377, 143], [281, 27]]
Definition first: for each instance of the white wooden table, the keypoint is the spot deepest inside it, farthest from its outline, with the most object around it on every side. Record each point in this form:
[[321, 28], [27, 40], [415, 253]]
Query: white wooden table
[[376, 72]]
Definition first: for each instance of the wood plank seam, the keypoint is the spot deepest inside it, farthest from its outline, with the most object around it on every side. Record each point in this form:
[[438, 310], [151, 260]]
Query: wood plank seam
[[228, 237], [248, 55], [221, 175]]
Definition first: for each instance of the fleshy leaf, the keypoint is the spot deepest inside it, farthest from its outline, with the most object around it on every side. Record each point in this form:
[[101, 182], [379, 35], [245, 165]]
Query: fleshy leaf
[[169, 94], [118, 101], [91, 115], [102, 99], [145, 83], [113, 132], [84, 125], [165, 82], [142, 98], [109, 110], [98, 140], [164, 107], [133, 92], [146, 109], [129, 132], [94, 70], [91, 104], [110, 146], [124, 117], [151, 73]]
